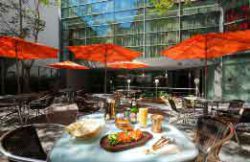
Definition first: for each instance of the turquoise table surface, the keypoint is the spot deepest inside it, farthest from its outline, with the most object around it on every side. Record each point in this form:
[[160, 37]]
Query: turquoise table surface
[[69, 149]]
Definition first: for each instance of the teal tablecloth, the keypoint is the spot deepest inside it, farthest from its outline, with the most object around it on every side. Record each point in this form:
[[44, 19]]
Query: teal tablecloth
[[68, 149]]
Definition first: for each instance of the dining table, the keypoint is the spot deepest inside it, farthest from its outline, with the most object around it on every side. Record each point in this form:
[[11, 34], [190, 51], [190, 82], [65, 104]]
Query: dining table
[[71, 149]]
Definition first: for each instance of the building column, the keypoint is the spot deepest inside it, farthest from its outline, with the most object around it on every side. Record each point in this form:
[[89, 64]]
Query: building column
[[217, 82]]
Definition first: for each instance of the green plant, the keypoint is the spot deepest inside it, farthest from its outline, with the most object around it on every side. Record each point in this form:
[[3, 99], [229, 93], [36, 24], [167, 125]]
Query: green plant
[[164, 5]]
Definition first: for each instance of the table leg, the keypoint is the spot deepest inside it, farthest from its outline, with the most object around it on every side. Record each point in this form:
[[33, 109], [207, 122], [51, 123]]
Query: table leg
[[205, 110], [19, 109]]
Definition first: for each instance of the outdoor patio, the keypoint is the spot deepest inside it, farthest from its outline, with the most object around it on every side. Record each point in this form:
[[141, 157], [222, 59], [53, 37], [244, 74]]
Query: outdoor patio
[[67, 113], [125, 81]]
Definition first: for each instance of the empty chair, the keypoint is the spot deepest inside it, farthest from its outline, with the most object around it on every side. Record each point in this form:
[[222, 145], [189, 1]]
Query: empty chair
[[187, 103], [211, 134], [240, 119], [41, 103], [180, 112], [233, 108], [87, 105], [23, 144]]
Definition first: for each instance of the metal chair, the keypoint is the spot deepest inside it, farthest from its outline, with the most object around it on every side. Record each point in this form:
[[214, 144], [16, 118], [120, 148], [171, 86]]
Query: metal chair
[[86, 105], [243, 124], [180, 112], [41, 103], [211, 134], [233, 107], [24, 145]]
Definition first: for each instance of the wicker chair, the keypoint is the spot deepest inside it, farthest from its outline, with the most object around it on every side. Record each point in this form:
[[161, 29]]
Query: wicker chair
[[211, 134], [233, 108], [195, 105], [180, 112]]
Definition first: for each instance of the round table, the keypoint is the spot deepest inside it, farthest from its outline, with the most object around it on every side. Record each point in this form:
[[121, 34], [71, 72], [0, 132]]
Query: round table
[[69, 149]]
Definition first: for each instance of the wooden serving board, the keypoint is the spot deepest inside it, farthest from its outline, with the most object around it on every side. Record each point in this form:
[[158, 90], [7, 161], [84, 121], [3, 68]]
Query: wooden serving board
[[121, 147]]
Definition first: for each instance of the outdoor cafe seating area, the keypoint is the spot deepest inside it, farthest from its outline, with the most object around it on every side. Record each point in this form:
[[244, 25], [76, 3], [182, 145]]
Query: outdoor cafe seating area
[[130, 124], [37, 126]]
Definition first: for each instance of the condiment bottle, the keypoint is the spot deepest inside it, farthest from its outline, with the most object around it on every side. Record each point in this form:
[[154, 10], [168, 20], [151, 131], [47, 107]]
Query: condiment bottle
[[133, 111]]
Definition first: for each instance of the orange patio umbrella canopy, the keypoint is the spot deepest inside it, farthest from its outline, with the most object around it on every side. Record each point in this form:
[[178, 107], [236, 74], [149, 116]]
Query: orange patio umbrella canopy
[[103, 53], [13, 47], [211, 45], [127, 65], [68, 65], [20, 49]]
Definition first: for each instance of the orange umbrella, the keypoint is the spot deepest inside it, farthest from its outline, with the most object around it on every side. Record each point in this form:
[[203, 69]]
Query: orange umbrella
[[104, 53], [13, 47], [211, 45], [127, 65], [68, 65]]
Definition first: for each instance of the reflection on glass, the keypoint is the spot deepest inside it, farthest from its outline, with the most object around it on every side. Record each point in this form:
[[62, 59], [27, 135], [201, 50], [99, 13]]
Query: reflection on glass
[[133, 24]]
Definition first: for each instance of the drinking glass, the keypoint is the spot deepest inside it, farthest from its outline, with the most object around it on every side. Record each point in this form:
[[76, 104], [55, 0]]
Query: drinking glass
[[143, 117]]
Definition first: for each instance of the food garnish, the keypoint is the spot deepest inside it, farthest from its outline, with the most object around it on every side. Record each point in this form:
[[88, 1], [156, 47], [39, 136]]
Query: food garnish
[[125, 137]]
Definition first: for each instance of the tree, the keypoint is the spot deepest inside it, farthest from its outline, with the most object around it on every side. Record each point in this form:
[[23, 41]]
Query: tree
[[21, 19], [36, 25], [12, 16]]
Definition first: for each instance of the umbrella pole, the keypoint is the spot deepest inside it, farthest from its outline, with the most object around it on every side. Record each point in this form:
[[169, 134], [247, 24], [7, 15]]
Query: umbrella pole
[[17, 72], [206, 69], [105, 75], [2, 77], [18, 78], [105, 79], [206, 73]]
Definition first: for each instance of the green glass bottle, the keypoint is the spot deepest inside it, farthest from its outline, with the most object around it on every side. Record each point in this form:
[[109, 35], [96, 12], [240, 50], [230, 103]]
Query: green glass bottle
[[133, 111]]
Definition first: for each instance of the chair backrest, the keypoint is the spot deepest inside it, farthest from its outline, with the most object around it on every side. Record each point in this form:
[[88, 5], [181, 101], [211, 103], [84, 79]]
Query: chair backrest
[[49, 100], [23, 143], [187, 103], [245, 116], [212, 132], [235, 105], [172, 105]]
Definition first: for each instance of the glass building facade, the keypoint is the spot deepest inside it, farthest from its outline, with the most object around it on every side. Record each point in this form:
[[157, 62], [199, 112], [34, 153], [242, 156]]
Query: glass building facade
[[135, 23]]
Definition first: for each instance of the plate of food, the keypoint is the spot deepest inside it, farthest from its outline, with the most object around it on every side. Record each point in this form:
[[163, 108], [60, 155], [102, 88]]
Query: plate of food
[[120, 141], [86, 128]]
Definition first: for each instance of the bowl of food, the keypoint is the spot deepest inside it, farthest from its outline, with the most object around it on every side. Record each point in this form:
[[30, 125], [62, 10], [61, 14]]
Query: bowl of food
[[85, 128]]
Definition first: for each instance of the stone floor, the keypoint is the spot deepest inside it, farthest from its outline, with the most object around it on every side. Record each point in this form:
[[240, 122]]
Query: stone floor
[[230, 152]]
